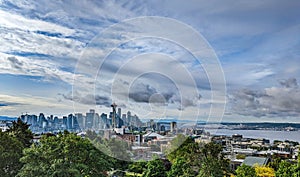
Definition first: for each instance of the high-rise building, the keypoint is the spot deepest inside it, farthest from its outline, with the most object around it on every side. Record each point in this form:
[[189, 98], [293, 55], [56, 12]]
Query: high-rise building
[[70, 122], [65, 122], [114, 115], [129, 118], [104, 122], [89, 120], [119, 112], [96, 124], [41, 119], [80, 119], [124, 119]]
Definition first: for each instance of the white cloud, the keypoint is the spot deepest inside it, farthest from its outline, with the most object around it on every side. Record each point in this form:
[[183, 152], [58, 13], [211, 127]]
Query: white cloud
[[14, 21], [34, 105], [278, 102], [48, 70], [242, 33]]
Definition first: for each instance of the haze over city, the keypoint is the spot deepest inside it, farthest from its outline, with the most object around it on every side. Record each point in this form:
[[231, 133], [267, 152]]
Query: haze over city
[[47, 64]]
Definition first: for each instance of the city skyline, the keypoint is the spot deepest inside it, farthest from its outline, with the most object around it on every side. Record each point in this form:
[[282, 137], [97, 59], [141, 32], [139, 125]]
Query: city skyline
[[45, 64]]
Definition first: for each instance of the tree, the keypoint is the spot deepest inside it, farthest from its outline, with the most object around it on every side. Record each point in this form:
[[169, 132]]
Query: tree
[[189, 150], [296, 168], [21, 131], [245, 171], [10, 153], [64, 155], [275, 162], [205, 160], [138, 167], [264, 171], [180, 168], [213, 162], [155, 168], [178, 142], [285, 169], [118, 149]]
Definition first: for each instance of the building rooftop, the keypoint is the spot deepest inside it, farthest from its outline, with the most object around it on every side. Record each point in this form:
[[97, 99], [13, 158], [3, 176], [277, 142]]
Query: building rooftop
[[251, 161]]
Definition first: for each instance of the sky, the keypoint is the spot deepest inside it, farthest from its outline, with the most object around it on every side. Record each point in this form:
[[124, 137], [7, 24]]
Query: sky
[[233, 61]]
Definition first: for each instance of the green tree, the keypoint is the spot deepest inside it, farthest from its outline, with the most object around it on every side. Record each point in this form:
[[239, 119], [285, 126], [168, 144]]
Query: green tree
[[181, 168], [138, 167], [115, 148], [118, 149], [64, 155], [155, 168], [245, 171], [177, 142], [213, 162], [188, 150], [21, 131], [10, 153], [275, 162], [285, 169], [296, 168]]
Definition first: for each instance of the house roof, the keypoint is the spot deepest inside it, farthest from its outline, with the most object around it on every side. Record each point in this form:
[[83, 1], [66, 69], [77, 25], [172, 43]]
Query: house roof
[[152, 134], [251, 161]]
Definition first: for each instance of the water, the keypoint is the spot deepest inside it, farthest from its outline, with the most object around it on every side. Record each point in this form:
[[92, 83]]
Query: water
[[267, 134]]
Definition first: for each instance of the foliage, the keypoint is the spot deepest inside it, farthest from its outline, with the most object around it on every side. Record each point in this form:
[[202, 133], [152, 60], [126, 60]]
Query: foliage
[[213, 161], [181, 168], [264, 171], [240, 156], [285, 169], [138, 167], [275, 163], [296, 168], [177, 142], [205, 160], [189, 150], [63, 155], [245, 171], [21, 131], [10, 153], [116, 149], [155, 168]]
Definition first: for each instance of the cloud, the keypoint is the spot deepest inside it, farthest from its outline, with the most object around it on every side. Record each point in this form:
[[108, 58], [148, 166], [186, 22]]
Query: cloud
[[15, 63], [47, 69], [14, 21], [289, 83], [88, 99], [147, 94], [33, 104], [255, 42], [269, 102]]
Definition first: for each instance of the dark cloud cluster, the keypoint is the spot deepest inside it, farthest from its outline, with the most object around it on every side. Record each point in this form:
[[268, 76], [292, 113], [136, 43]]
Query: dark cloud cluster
[[15, 63], [88, 99], [289, 83], [144, 93], [281, 101]]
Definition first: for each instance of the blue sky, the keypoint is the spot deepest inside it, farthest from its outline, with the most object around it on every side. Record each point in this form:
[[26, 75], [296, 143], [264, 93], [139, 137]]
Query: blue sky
[[51, 54]]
